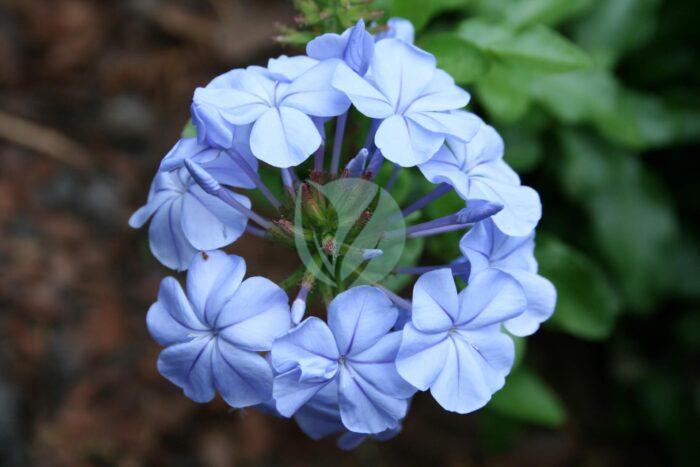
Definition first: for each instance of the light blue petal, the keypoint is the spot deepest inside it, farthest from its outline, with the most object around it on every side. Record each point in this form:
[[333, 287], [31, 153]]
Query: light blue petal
[[188, 148], [401, 71], [172, 319], [359, 317], [368, 100], [459, 124], [466, 383], [400, 28], [541, 300], [522, 208], [363, 408], [485, 146], [310, 346], [486, 246], [212, 129], [188, 366], [227, 171], [243, 378], [421, 356], [288, 69], [435, 303], [255, 315], [491, 297], [237, 107], [212, 275], [329, 45], [493, 350], [141, 216], [377, 366], [208, 222], [406, 143], [320, 416], [443, 167], [440, 94], [291, 391], [166, 238], [284, 137], [360, 49], [312, 93]]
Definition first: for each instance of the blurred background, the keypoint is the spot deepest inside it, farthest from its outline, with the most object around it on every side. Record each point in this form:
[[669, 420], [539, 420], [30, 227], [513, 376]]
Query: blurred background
[[599, 104]]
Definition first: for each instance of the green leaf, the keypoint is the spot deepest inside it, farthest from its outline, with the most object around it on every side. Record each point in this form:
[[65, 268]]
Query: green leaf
[[523, 146], [616, 27], [504, 93], [419, 12], [541, 49], [586, 304], [464, 62], [632, 218], [527, 398], [522, 13], [482, 33]]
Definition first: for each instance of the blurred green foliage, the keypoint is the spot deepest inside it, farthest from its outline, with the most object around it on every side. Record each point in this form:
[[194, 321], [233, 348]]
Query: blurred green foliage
[[585, 93]]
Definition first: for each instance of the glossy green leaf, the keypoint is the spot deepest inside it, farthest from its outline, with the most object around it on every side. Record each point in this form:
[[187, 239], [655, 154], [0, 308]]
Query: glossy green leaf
[[632, 218], [587, 306], [522, 13], [464, 62], [542, 49], [527, 398], [617, 26]]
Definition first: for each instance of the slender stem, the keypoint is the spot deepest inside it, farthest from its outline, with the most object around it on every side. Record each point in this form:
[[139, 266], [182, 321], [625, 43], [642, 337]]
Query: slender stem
[[228, 198], [369, 141], [256, 232], [212, 187], [439, 191], [457, 269], [287, 179], [375, 163], [243, 164], [394, 176], [437, 230], [338, 142], [398, 301], [319, 155], [439, 222]]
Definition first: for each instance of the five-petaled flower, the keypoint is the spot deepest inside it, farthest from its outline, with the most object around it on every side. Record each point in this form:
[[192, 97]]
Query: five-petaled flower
[[413, 100], [356, 350], [453, 344], [214, 333]]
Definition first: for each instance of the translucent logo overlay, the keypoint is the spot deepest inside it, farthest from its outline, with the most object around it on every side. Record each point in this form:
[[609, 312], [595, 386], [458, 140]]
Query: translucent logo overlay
[[348, 232]]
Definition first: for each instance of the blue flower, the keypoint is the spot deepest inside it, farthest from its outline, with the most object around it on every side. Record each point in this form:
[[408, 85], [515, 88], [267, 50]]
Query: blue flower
[[279, 103], [399, 28], [487, 247], [454, 344], [186, 219], [356, 351], [412, 98], [320, 417], [355, 47], [477, 170], [213, 333]]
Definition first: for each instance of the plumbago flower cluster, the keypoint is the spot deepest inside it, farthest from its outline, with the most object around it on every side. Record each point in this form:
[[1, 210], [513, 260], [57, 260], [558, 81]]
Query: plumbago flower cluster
[[352, 367]]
